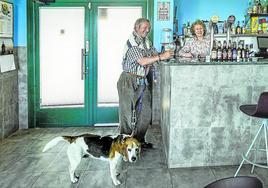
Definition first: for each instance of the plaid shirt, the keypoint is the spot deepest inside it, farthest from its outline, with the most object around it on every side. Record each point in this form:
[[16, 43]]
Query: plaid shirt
[[137, 47]]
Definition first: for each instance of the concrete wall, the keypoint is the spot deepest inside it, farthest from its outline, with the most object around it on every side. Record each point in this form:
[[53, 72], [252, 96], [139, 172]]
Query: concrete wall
[[8, 103], [201, 121]]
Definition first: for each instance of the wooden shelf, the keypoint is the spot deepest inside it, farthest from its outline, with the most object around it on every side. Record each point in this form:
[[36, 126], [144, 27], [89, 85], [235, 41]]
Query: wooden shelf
[[262, 14]]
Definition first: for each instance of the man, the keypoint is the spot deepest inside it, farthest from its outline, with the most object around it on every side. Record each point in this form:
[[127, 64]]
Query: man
[[135, 109]]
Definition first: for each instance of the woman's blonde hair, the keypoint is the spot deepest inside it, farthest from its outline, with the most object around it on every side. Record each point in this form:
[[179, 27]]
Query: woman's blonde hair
[[199, 22]]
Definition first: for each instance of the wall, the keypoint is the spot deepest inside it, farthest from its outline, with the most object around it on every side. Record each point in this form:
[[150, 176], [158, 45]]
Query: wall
[[20, 23], [204, 9], [159, 25]]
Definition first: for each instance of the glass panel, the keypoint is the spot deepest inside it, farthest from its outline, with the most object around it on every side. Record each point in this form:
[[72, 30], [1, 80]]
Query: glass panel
[[115, 24], [61, 41]]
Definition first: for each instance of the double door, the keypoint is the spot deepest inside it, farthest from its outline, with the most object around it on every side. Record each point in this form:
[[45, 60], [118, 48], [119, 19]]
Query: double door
[[78, 61]]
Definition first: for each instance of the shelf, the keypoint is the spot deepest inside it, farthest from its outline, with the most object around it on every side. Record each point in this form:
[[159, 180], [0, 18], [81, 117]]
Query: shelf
[[262, 14], [238, 35]]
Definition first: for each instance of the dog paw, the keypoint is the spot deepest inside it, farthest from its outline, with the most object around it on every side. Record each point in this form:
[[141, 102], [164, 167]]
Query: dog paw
[[116, 182], [75, 179]]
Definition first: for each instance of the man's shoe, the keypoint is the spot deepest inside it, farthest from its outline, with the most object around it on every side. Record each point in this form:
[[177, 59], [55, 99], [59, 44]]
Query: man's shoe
[[146, 145]]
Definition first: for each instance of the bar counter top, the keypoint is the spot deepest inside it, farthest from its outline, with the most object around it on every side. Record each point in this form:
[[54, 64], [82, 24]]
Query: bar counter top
[[201, 122], [194, 61]]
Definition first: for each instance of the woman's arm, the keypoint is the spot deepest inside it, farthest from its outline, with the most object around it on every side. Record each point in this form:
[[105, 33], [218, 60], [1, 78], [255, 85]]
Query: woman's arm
[[186, 49]]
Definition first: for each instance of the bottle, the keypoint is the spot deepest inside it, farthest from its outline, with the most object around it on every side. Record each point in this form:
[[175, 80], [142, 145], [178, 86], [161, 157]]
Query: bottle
[[229, 51], [224, 51], [243, 52], [238, 28], [239, 53], [259, 7], [234, 52], [243, 28], [188, 28], [219, 52], [255, 7], [247, 52], [184, 30], [224, 27], [3, 48], [214, 51], [249, 8]]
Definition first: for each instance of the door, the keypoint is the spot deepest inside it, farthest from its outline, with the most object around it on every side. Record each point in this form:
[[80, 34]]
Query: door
[[79, 54]]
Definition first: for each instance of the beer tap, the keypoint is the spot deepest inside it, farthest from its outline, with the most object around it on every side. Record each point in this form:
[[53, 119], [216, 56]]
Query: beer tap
[[212, 27], [230, 21]]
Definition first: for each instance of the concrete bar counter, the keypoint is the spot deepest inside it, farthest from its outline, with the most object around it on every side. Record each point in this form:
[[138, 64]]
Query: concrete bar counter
[[200, 118]]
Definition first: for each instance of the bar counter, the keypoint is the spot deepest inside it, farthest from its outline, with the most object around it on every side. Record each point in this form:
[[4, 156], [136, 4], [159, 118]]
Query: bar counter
[[201, 122]]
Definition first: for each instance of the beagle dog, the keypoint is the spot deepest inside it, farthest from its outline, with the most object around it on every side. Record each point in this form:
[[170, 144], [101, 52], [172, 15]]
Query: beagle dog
[[110, 148]]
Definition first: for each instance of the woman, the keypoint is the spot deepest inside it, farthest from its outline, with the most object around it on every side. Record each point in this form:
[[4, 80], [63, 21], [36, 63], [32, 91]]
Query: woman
[[199, 45]]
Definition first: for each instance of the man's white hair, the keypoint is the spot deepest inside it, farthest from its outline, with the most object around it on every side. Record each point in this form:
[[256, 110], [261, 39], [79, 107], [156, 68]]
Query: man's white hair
[[139, 22]]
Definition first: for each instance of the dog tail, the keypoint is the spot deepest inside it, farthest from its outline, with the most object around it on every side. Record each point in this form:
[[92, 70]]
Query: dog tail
[[53, 143]]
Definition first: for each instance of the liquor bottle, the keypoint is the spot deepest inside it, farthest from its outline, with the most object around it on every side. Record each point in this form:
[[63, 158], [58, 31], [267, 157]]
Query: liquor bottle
[[239, 53], [243, 27], [188, 28], [234, 52], [219, 51], [238, 28], [255, 7], [229, 51], [184, 30], [3, 48], [259, 7], [224, 27], [247, 52], [243, 52], [214, 52], [224, 51]]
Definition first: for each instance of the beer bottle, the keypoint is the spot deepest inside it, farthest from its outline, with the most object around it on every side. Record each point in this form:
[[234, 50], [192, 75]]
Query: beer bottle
[[219, 52], [224, 51], [239, 53], [238, 28], [214, 52], [234, 52], [247, 52], [3, 48], [229, 51]]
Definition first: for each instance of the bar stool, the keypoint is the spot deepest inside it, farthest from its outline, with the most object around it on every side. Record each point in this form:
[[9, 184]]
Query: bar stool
[[236, 182], [259, 110]]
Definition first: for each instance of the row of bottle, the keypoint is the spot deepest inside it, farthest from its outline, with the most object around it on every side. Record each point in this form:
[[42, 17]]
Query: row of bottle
[[231, 52], [219, 28], [257, 7]]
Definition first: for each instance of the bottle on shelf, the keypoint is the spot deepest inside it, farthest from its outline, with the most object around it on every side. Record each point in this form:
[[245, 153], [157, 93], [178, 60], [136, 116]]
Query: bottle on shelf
[[234, 52], [249, 8], [224, 51], [229, 51], [239, 53], [247, 52], [219, 51], [3, 48], [259, 7], [188, 28], [243, 27], [214, 51], [243, 52], [238, 28], [255, 7], [184, 29]]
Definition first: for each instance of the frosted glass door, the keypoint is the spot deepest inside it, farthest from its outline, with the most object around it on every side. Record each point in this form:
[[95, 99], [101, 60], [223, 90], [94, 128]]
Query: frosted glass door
[[61, 41], [115, 24]]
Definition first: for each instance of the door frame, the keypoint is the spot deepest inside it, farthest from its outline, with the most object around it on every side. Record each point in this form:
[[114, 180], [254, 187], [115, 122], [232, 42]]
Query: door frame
[[33, 46]]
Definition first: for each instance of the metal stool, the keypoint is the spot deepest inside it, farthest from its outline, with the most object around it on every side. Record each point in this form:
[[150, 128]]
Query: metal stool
[[236, 182], [259, 110]]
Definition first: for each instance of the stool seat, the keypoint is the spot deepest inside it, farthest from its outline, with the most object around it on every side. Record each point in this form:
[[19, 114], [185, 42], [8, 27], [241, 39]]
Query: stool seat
[[257, 110], [236, 182]]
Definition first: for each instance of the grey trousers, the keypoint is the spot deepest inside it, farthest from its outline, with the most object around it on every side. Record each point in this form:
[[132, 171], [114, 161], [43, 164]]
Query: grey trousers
[[129, 92]]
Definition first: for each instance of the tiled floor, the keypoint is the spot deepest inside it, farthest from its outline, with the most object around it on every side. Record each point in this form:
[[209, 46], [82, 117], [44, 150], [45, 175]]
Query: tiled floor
[[22, 164]]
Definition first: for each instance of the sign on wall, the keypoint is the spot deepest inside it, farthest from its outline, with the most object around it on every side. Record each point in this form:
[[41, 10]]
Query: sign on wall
[[163, 10], [6, 19]]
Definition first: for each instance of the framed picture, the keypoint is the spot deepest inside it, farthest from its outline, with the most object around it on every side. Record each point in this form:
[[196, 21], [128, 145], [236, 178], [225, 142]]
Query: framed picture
[[6, 19], [163, 11]]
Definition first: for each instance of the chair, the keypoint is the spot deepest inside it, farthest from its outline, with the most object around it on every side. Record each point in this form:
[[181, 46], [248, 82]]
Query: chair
[[236, 182], [259, 110]]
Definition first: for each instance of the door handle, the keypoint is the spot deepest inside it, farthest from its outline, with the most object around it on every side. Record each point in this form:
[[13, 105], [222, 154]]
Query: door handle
[[83, 66]]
